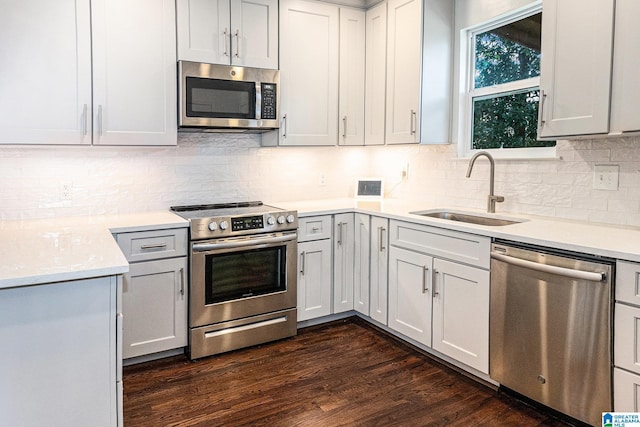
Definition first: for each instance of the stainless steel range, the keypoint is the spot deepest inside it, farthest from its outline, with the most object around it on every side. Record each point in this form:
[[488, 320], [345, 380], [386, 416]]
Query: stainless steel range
[[242, 282]]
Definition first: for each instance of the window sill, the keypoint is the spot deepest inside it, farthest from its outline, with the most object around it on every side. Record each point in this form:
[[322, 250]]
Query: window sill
[[534, 153]]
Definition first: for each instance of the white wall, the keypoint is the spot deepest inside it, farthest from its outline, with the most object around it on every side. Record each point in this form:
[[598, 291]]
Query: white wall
[[217, 168]]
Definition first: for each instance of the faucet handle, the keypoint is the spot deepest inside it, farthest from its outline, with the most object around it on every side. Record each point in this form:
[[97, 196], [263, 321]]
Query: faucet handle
[[497, 199]]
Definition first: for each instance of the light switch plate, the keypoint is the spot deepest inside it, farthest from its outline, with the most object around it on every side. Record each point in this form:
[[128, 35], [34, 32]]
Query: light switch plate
[[605, 177]]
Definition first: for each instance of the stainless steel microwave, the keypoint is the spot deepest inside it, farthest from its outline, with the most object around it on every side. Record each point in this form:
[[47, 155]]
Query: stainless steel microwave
[[227, 98]]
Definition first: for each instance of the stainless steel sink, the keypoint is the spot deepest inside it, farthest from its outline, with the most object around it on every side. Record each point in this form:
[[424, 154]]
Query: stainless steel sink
[[467, 217]]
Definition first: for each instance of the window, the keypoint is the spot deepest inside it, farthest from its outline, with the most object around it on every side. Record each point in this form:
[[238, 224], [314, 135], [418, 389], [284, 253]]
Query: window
[[502, 88]]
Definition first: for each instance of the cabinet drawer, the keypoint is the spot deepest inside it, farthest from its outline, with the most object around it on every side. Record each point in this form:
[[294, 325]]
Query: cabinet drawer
[[155, 244], [628, 282], [626, 391], [456, 246], [626, 350], [314, 228]]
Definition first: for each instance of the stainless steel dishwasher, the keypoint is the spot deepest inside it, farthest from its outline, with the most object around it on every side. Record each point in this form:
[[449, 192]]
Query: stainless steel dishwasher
[[550, 328]]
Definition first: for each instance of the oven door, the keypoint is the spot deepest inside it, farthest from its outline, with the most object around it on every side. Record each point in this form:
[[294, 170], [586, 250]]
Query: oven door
[[243, 276]]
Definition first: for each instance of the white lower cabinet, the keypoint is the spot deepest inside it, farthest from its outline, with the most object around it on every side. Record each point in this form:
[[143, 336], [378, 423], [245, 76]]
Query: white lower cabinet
[[154, 304], [379, 269], [361, 282], [441, 303], [314, 267], [154, 291], [409, 296], [626, 351], [343, 262], [461, 313]]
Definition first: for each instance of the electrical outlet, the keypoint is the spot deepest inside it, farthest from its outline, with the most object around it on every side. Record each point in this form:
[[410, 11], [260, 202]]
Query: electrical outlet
[[322, 180], [605, 177], [405, 172], [65, 190]]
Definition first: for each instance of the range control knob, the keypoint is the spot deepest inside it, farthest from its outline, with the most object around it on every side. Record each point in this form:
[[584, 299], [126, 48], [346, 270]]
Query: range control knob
[[224, 225], [271, 220], [290, 218], [281, 219], [213, 226]]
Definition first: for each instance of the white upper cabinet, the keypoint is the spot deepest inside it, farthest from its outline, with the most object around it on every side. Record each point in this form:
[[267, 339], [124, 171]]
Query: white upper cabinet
[[309, 40], [235, 32], [351, 85], [376, 74], [134, 66], [63, 51], [625, 111], [45, 76], [404, 53], [575, 80]]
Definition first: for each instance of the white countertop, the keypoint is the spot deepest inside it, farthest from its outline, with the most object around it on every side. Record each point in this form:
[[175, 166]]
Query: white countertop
[[53, 250], [46, 251], [596, 239]]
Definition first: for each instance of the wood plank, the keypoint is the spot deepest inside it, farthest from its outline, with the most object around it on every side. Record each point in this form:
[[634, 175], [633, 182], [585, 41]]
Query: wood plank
[[344, 373]]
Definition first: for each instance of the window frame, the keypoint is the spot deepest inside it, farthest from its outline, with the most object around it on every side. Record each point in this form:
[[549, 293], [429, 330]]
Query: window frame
[[468, 92]]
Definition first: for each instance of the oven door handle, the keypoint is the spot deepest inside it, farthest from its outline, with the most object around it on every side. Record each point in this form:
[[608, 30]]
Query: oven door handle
[[202, 247]]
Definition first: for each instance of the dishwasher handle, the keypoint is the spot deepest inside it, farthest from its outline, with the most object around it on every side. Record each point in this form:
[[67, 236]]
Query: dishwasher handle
[[551, 269]]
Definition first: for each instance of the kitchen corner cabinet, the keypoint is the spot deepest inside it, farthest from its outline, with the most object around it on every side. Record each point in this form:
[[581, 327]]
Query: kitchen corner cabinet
[[228, 32], [439, 290], [361, 264], [379, 268], [404, 53], [314, 267], [343, 261], [85, 82], [60, 363], [154, 294], [376, 74], [351, 77], [626, 377], [575, 79]]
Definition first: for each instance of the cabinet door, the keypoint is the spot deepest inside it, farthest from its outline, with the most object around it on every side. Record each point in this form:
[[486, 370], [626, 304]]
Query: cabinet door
[[625, 113], [626, 391], [204, 32], [308, 73], [361, 264], [626, 341], [343, 262], [314, 279], [254, 33], [351, 86], [376, 74], [154, 306], [404, 50], [45, 76], [575, 74], [409, 294], [134, 69], [379, 269], [461, 313]]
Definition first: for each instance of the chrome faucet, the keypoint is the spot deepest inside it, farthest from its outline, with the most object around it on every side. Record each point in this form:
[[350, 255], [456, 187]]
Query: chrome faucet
[[491, 200]]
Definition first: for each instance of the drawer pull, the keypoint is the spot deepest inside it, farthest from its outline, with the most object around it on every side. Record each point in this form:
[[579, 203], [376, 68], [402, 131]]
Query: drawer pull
[[425, 270], [153, 246]]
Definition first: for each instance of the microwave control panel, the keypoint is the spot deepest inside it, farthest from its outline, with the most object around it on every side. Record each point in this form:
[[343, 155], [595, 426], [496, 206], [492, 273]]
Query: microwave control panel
[[269, 109]]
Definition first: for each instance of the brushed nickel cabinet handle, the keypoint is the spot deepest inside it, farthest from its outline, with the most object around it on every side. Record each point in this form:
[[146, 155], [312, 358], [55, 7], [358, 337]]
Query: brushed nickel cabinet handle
[[302, 259], [435, 282], [154, 246], [344, 123], [84, 120], [100, 120], [237, 55], [425, 271], [284, 126], [413, 122], [182, 281], [541, 118], [226, 47]]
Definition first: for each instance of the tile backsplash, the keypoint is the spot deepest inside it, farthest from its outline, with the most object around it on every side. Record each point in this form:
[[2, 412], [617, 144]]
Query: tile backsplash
[[39, 182]]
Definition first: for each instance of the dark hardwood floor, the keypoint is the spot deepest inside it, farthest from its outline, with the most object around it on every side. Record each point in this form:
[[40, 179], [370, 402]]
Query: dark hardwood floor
[[343, 374]]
